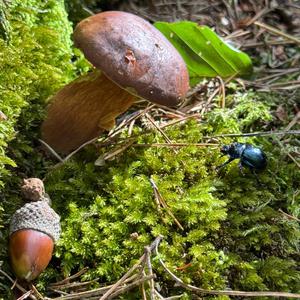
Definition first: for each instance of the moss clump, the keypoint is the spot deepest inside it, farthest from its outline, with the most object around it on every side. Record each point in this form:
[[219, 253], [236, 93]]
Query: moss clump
[[35, 60], [234, 236]]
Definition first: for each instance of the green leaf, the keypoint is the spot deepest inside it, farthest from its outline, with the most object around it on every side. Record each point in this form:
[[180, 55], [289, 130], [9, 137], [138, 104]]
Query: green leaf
[[204, 52]]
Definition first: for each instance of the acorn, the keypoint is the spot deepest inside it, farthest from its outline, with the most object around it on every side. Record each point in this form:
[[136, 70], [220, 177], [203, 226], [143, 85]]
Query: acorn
[[34, 229]]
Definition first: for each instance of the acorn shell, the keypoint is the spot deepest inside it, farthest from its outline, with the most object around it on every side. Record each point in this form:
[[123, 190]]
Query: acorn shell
[[30, 252], [33, 230]]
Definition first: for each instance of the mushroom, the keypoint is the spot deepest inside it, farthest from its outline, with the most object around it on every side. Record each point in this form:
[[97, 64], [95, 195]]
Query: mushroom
[[133, 59]]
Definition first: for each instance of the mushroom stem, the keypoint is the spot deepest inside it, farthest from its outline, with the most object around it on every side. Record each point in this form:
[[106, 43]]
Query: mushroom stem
[[83, 109]]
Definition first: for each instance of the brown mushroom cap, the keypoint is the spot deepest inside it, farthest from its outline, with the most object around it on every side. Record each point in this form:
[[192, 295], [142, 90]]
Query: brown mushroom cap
[[135, 55]]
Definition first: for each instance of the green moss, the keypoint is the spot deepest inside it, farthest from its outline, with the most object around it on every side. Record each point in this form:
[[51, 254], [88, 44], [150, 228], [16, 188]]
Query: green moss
[[233, 234], [34, 63], [35, 60]]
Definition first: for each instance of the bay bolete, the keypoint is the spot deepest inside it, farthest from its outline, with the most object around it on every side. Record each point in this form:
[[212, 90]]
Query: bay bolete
[[134, 59]]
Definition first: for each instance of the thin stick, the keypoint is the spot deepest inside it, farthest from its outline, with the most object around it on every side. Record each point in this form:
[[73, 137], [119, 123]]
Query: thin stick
[[267, 42], [68, 279], [220, 292], [36, 292], [293, 122], [160, 130], [288, 216], [51, 150], [26, 295], [73, 285], [151, 281], [117, 151], [79, 148], [176, 145], [93, 293], [161, 200], [122, 279], [278, 74], [254, 134], [223, 95], [174, 297], [15, 284], [278, 32], [288, 154], [159, 295], [287, 83], [129, 287], [143, 288], [264, 11]]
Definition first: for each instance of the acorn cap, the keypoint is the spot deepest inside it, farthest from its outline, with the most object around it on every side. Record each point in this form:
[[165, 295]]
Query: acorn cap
[[135, 55], [37, 216]]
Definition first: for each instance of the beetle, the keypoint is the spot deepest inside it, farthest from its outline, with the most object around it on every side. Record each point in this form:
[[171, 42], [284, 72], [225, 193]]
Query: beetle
[[250, 156]]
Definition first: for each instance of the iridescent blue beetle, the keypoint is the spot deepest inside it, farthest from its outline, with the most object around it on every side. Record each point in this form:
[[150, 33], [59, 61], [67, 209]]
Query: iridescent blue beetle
[[250, 156]]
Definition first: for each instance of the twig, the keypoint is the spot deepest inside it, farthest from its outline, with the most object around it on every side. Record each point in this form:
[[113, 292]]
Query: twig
[[151, 281], [278, 74], [36, 292], [254, 134], [79, 148], [26, 295], [288, 216], [115, 152], [222, 292], [263, 12], [159, 295], [214, 93], [278, 32], [160, 130], [267, 42], [92, 293], [68, 279], [287, 83], [73, 285], [162, 202], [132, 269], [122, 279], [293, 122], [143, 288], [129, 287], [287, 153], [51, 150], [16, 284], [136, 115], [174, 297], [223, 95], [176, 145]]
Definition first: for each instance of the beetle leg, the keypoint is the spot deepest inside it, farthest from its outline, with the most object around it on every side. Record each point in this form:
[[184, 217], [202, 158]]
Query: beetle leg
[[225, 163], [256, 177], [241, 168]]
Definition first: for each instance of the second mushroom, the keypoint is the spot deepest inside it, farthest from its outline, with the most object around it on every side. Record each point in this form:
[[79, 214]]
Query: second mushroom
[[132, 59]]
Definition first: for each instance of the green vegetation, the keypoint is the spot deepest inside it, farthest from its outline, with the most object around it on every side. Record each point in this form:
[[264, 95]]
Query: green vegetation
[[234, 234], [204, 52], [35, 60]]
